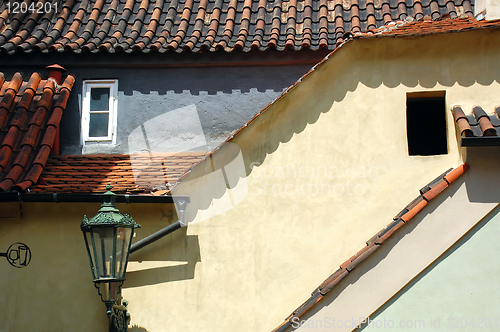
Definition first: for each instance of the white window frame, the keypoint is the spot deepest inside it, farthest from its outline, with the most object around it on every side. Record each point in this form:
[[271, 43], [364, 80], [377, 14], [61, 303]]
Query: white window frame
[[113, 110]]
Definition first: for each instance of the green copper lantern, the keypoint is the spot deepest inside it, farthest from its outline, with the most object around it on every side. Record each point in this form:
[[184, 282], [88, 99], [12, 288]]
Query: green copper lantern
[[108, 236]]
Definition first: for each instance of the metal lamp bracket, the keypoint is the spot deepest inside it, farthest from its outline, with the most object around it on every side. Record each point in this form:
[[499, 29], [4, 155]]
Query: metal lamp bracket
[[180, 204]]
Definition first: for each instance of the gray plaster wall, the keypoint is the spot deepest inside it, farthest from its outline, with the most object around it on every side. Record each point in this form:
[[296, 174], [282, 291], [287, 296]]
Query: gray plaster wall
[[177, 109]]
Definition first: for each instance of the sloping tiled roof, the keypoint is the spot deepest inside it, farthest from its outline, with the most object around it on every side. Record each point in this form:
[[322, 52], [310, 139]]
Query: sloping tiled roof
[[478, 128], [427, 26], [135, 174], [203, 25], [30, 113], [401, 29], [427, 193]]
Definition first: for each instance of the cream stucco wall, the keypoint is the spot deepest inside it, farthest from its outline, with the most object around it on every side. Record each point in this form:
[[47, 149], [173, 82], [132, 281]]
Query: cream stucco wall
[[311, 179], [344, 127], [409, 252], [458, 291]]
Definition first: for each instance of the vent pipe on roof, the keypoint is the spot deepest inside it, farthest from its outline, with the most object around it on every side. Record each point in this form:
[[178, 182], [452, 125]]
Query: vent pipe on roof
[[56, 74]]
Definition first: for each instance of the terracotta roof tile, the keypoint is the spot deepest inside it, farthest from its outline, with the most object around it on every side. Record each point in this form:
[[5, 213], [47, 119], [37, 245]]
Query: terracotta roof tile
[[444, 23], [137, 173], [478, 128], [202, 25], [433, 189], [30, 113]]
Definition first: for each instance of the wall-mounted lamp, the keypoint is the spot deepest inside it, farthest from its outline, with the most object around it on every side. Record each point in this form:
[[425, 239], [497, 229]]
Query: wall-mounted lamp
[[108, 236]]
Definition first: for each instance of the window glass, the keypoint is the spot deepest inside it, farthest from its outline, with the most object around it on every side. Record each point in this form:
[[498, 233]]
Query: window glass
[[98, 126], [99, 99], [99, 111]]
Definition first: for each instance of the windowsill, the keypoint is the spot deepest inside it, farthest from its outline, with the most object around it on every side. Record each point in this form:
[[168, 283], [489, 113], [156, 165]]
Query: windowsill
[[98, 142], [99, 148]]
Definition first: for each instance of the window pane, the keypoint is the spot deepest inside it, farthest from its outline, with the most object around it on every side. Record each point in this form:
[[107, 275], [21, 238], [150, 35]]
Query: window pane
[[99, 99], [98, 126]]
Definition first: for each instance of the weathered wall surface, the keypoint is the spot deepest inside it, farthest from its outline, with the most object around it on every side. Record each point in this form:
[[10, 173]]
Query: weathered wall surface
[[454, 292], [219, 101]]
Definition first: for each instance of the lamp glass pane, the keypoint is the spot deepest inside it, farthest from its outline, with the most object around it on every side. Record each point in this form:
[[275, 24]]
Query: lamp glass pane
[[90, 246], [123, 238], [103, 238]]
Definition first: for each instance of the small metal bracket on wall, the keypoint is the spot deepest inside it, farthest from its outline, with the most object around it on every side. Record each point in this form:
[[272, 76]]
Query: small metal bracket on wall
[[180, 204]]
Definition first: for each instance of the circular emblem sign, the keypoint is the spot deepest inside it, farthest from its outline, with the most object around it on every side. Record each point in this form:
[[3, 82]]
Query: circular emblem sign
[[19, 255]]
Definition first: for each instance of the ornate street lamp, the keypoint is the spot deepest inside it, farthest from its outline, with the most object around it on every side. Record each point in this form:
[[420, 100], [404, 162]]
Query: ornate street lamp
[[108, 236]]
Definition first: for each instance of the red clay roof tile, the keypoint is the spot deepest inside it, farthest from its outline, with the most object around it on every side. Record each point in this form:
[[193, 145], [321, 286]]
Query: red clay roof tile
[[436, 190], [193, 26], [387, 232], [373, 244], [439, 24], [137, 173], [25, 144], [361, 255], [477, 128], [453, 175]]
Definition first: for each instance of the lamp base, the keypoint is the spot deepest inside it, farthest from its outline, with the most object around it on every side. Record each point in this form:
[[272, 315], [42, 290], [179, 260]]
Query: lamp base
[[118, 316]]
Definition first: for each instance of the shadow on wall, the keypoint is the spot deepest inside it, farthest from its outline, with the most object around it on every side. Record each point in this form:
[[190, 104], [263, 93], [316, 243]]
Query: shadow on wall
[[171, 258], [378, 62], [372, 261], [225, 96], [205, 81], [483, 162]]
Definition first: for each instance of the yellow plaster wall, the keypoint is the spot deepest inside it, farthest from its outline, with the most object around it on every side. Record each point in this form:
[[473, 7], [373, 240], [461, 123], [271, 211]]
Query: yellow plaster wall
[[55, 291], [324, 169], [261, 259], [408, 252]]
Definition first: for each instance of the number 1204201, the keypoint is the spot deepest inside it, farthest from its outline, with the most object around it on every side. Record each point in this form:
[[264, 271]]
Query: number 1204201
[[34, 7]]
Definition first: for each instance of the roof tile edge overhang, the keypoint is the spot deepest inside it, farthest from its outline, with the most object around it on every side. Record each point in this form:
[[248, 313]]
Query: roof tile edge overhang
[[477, 128], [427, 193], [414, 28], [86, 198]]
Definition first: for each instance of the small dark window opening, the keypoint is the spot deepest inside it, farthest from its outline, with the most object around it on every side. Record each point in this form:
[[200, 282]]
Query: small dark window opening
[[426, 124]]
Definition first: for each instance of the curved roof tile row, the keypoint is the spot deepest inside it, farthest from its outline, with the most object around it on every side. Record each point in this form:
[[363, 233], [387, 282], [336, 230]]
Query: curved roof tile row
[[30, 113], [204, 25], [143, 173], [478, 123]]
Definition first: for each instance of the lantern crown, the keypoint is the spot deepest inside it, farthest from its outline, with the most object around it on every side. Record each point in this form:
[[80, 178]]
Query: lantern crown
[[108, 215]]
